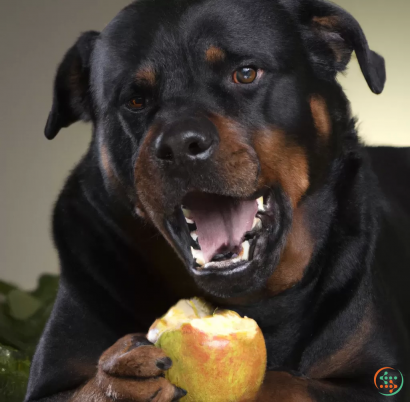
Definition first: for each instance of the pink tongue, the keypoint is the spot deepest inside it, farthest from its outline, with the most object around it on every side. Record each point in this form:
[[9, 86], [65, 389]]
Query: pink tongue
[[221, 222]]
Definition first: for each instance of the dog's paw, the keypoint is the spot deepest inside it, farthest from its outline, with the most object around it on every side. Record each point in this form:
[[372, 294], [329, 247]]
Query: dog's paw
[[133, 370]]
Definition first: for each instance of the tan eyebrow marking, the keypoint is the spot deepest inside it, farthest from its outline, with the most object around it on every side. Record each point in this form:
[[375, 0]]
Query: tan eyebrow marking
[[215, 54], [147, 75]]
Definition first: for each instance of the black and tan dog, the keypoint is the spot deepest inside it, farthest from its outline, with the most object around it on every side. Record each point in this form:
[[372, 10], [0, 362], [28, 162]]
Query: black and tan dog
[[225, 163]]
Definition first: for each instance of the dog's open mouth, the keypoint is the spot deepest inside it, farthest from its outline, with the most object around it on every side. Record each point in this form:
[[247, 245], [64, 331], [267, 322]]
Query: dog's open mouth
[[230, 245], [223, 230]]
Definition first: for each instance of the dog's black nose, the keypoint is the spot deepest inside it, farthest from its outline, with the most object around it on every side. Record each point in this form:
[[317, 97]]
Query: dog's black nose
[[185, 141]]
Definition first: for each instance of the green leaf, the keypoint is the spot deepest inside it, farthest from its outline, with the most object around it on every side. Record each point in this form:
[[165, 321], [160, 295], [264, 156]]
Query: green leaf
[[22, 305], [24, 334], [14, 373], [23, 316], [47, 288], [5, 288]]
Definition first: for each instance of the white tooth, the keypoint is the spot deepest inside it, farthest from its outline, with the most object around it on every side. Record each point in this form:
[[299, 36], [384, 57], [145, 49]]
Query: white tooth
[[256, 223], [198, 255], [245, 250], [224, 263], [189, 220], [186, 212], [194, 235], [261, 207]]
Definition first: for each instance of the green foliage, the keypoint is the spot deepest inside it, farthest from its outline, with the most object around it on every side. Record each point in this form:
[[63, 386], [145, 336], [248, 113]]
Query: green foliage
[[23, 316], [14, 372]]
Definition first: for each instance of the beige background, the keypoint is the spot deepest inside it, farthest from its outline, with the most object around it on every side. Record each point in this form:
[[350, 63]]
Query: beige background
[[34, 37]]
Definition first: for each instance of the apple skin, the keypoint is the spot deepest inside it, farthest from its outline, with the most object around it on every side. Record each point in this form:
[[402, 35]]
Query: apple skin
[[215, 368]]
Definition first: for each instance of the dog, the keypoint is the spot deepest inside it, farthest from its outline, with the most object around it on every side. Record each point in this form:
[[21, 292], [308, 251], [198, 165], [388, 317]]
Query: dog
[[225, 163]]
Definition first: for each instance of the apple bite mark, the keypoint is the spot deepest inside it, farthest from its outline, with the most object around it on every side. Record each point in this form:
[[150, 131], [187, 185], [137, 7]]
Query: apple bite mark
[[225, 322], [203, 317], [217, 345], [183, 312]]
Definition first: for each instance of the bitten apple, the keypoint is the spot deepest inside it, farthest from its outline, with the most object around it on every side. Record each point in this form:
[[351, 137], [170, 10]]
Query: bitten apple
[[217, 355]]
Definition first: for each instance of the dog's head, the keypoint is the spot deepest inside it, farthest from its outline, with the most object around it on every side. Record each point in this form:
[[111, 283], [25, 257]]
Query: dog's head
[[218, 118]]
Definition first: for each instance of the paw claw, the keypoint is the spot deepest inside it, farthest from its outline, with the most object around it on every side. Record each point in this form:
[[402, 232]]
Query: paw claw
[[137, 341], [179, 393], [164, 364]]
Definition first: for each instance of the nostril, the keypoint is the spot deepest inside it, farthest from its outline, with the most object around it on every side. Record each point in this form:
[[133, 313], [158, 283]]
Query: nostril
[[180, 143], [165, 153], [195, 148], [197, 144]]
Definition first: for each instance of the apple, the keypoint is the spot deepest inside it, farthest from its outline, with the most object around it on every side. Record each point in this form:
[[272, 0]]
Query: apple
[[217, 355]]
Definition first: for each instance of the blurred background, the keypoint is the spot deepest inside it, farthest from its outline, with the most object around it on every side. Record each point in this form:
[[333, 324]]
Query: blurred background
[[34, 37]]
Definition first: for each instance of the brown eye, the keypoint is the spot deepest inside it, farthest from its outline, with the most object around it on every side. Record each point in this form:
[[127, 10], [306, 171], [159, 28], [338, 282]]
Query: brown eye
[[136, 103], [245, 75]]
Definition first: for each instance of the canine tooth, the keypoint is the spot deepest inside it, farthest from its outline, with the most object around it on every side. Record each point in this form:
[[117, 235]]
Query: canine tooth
[[187, 214], [198, 255], [194, 235], [261, 207], [257, 223], [245, 250]]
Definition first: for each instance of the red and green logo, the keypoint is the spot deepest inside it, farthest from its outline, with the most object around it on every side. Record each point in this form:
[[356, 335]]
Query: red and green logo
[[388, 381]]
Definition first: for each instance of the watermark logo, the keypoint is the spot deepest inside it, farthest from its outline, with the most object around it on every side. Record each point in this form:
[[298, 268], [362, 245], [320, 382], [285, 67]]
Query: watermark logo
[[388, 381]]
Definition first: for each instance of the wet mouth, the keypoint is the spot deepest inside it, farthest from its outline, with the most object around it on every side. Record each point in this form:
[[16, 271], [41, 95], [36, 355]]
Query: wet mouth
[[230, 246], [224, 231]]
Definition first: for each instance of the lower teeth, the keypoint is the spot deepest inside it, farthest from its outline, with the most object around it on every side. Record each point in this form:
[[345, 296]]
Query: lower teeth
[[221, 257], [242, 256], [245, 250], [198, 256]]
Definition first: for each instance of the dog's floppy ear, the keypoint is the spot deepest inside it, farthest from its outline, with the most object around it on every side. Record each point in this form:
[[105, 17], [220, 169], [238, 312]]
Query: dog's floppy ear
[[342, 34], [71, 98]]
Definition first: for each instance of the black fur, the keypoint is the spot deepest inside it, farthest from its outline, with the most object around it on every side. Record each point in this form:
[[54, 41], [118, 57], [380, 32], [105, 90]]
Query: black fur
[[118, 273]]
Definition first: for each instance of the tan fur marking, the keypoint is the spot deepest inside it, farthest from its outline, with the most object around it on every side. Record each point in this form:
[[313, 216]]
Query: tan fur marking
[[283, 163], [235, 160], [117, 371], [105, 388], [295, 257], [150, 198], [215, 55], [112, 180], [146, 174], [90, 392], [344, 360], [105, 162], [321, 116], [283, 387], [147, 75], [329, 22], [341, 51]]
